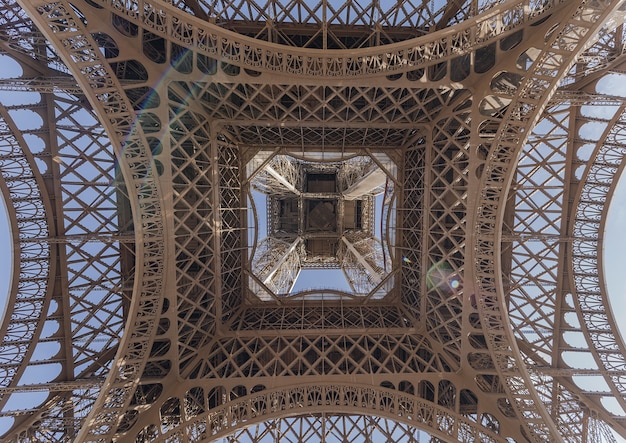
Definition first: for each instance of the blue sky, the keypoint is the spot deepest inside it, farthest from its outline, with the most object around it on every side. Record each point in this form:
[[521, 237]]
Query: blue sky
[[614, 246], [615, 252], [5, 256]]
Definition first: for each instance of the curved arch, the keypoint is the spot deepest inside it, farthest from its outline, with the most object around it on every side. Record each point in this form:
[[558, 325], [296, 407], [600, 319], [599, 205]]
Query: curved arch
[[298, 400], [357, 428], [168, 22], [31, 220], [528, 102], [61, 23], [591, 298]]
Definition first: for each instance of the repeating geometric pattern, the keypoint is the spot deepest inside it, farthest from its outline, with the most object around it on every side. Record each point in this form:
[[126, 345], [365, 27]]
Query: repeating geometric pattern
[[136, 232], [273, 21], [79, 166]]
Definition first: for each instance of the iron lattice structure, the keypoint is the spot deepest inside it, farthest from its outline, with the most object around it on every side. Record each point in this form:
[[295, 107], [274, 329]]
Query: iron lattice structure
[[132, 220]]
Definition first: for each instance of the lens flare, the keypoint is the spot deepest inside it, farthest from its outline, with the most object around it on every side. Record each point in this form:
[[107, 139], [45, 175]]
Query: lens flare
[[442, 277]]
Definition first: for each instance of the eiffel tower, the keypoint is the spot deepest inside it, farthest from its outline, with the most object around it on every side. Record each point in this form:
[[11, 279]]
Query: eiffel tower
[[310, 221]]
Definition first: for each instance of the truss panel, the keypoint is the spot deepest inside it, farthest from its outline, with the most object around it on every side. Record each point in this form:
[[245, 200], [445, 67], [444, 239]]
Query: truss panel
[[433, 152]]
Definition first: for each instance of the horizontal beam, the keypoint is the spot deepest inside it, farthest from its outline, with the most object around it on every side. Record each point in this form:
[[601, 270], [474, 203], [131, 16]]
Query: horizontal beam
[[84, 238], [538, 237], [49, 84], [63, 386]]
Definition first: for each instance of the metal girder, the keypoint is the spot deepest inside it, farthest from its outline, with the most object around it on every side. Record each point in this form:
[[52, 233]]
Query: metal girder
[[55, 387], [87, 238], [369, 269], [282, 180], [581, 98], [66, 84], [281, 261], [366, 184]]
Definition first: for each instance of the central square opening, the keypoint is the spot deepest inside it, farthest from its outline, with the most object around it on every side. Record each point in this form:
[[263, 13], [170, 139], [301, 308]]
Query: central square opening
[[321, 229]]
